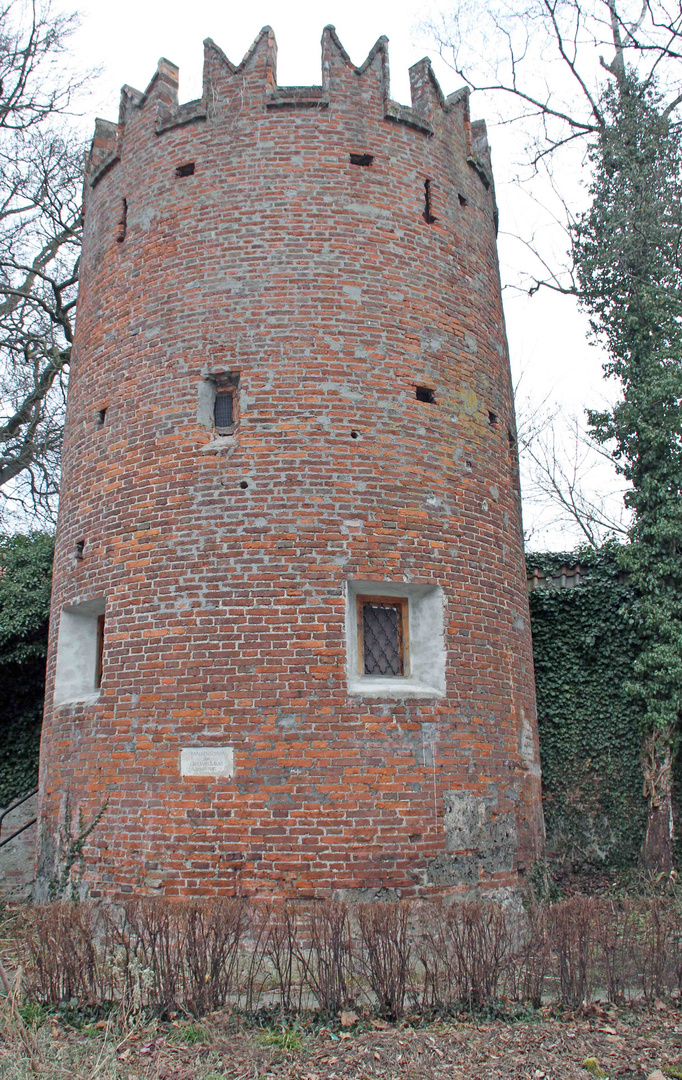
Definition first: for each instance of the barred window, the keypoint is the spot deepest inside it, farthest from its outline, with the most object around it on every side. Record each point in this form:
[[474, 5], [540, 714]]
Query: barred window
[[382, 635], [223, 409]]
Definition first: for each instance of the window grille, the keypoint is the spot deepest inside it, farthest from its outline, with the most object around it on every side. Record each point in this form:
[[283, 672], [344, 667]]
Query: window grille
[[223, 412], [382, 636]]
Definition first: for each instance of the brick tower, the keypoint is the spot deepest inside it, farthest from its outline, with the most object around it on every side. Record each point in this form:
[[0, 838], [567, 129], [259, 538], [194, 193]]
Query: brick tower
[[290, 647]]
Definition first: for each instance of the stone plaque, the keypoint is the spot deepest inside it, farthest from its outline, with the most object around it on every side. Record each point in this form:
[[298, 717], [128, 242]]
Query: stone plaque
[[207, 761]]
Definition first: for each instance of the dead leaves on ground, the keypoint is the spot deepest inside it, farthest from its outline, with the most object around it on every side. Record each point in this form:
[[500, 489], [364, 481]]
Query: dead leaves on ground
[[628, 1045]]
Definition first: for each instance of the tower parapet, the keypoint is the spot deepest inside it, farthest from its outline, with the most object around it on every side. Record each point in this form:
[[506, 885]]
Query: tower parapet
[[226, 87], [293, 652]]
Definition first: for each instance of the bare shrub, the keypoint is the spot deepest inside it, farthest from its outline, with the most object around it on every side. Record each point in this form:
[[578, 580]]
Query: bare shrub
[[531, 962], [144, 948], [273, 948], [385, 953], [658, 940], [164, 956], [326, 964], [63, 961], [466, 948], [212, 940], [571, 926], [279, 948], [440, 987], [617, 928]]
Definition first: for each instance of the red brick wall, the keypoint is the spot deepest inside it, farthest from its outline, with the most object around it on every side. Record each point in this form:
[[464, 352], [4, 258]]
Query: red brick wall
[[321, 283]]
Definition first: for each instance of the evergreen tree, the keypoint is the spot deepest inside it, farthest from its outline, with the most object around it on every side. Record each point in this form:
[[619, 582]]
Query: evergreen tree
[[628, 259]]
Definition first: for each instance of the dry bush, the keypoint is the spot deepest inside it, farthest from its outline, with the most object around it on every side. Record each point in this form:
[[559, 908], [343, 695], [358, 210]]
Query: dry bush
[[617, 930], [465, 948], [163, 956], [62, 957], [326, 962], [279, 950], [385, 953], [213, 935], [143, 950], [659, 962], [531, 962], [572, 934], [272, 948]]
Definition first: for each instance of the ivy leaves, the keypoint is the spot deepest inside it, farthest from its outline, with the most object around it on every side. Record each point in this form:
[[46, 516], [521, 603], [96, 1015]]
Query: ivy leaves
[[25, 585]]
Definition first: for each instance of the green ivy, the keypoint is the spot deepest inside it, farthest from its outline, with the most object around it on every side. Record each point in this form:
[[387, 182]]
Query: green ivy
[[585, 644], [25, 586]]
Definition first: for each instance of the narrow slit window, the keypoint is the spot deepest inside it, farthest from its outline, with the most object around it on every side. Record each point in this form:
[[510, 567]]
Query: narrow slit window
[[427, 394], [101, 416], [99, 655], [428, 201], [223, 410], [122, 223], [382, 636], [364, 160], [185, 170], [492, 419]]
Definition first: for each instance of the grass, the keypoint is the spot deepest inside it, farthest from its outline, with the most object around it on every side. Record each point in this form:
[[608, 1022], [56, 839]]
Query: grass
[[284, 1037], [190, 1034]]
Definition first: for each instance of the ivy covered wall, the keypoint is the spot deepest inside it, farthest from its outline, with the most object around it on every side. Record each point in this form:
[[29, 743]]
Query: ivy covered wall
[[25, 584], [590, 736]]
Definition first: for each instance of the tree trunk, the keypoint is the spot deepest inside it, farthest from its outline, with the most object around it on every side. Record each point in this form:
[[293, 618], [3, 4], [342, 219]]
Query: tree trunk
[[657, 761]]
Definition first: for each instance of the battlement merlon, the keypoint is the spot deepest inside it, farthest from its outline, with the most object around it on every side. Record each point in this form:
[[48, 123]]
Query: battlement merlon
[[259, 67]]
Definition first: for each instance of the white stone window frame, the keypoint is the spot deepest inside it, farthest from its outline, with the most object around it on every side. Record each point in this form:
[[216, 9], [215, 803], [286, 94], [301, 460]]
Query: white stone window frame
[[426, 672], [78, 653]]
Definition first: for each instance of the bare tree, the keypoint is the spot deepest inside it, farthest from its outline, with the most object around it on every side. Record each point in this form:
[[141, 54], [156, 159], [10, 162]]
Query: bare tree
[[40, 220], [513, 49], [567, 478], [546, 63]]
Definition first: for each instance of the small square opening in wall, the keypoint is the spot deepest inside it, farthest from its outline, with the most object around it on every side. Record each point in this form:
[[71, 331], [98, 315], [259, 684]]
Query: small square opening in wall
[[185, 170], [427, 394], [395, 639], [80, 652]]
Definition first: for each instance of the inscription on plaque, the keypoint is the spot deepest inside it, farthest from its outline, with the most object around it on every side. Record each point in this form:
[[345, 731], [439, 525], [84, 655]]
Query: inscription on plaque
[[207, 761]]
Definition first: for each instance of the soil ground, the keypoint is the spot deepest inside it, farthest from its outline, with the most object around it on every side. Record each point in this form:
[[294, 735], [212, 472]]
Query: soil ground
[[628, 1044]]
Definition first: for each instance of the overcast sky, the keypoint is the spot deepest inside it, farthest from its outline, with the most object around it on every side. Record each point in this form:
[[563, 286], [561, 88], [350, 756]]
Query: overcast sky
[[124, 40]]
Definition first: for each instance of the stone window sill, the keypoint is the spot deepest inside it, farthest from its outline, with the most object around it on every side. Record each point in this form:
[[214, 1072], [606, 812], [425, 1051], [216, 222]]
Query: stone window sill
[[367, 686], [88, 699]]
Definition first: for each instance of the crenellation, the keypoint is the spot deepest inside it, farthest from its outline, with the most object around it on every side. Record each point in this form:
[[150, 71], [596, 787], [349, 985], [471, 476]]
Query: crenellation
[[230, 91], [425, 91]]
